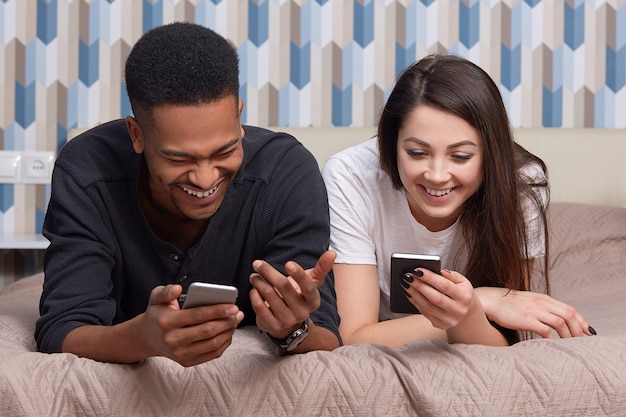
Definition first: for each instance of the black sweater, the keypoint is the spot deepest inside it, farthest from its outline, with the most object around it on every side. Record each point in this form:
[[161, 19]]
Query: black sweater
[[104, 259]]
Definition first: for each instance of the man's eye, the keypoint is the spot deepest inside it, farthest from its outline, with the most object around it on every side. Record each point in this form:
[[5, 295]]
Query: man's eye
[[228, 152]]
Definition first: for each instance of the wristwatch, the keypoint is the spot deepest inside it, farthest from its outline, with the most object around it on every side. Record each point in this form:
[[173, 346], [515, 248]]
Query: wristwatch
[[293, 340]]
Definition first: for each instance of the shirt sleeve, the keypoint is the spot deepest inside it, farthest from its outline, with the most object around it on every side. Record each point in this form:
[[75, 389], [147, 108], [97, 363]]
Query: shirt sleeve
[[351, 214], [77, 265], [299, 225]]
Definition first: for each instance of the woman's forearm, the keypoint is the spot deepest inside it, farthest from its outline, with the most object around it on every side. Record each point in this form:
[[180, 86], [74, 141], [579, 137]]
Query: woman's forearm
[[397, 332], [476, 329]]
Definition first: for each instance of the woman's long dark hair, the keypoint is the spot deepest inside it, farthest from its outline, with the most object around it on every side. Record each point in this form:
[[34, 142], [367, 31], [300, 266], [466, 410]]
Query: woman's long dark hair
[[493, 218]]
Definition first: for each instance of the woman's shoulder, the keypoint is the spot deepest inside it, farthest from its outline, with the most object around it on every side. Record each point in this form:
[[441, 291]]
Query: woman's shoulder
[[360, 159]]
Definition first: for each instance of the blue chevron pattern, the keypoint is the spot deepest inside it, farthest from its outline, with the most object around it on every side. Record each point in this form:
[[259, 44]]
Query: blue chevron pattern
[[305, 62]]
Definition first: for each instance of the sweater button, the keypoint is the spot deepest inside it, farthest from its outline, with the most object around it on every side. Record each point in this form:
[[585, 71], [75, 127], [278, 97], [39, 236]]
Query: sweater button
[[174, 256], [184, 277]]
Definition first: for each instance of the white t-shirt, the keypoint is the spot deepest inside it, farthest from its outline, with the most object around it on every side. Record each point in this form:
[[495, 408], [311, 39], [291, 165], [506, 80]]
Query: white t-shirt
[[370, 220]]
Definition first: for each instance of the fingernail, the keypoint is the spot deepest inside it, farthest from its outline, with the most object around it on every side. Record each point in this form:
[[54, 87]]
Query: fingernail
[[592, 331], [418, 272], [256, 264], [407, 278]]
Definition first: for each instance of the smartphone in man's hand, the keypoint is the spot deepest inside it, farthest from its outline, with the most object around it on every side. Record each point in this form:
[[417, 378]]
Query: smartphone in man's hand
[[205, 294]]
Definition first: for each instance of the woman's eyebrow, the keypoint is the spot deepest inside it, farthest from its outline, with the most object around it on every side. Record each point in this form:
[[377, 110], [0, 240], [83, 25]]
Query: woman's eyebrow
[[461, 143], [451, 146], [418, 141]]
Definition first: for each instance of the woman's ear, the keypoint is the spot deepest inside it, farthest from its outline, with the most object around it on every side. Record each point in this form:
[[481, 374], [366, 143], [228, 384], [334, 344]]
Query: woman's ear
[[136, 134]]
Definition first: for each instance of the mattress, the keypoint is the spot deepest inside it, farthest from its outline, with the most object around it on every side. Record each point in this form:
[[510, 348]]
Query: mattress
[[537, 377]]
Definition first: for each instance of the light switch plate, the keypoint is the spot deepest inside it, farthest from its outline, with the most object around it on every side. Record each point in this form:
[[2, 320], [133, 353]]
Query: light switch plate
[[10, 167]]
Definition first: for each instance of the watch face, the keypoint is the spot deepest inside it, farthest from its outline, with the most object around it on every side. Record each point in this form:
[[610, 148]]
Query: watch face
[[296, 341]]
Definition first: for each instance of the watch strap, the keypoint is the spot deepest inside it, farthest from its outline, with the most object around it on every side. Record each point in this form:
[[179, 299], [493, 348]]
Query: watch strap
[[293, 340]]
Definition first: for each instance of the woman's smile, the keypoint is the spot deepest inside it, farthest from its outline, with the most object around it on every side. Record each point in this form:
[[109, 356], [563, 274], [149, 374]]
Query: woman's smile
[[438, 192]]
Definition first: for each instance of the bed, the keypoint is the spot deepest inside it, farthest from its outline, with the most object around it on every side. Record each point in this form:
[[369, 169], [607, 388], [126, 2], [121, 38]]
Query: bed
[[537, 377]]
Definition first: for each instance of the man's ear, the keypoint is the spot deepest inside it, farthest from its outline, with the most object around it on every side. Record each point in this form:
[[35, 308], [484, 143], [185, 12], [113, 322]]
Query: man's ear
[[136, 134], [240, 109]]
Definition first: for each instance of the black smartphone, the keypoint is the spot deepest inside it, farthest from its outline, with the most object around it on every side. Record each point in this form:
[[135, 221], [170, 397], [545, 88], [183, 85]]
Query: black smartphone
[[402, 263]]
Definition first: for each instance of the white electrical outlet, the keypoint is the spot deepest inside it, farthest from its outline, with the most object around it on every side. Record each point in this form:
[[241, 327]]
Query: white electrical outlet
[[37, 167]]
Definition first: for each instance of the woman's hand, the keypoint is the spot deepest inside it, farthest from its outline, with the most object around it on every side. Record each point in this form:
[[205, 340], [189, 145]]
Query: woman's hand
[[450, 303], [443, 299], [534, 312]]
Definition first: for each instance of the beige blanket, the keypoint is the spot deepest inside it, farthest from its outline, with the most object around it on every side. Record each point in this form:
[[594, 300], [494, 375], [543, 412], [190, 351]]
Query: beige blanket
[[569, 377]]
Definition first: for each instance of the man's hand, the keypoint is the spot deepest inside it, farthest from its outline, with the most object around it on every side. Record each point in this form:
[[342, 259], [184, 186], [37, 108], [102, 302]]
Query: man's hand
[[533, 312], [282, 302], [189, 336]]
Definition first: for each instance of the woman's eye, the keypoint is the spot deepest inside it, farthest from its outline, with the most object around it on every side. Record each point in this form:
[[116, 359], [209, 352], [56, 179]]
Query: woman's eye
[[416, 153], [462, 157]]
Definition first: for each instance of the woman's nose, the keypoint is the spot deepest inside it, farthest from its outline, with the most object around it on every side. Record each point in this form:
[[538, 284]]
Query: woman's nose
[[437, 172]]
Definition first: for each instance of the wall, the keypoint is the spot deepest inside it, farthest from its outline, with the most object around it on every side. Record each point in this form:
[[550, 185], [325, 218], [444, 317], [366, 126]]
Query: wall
[[307, 62]]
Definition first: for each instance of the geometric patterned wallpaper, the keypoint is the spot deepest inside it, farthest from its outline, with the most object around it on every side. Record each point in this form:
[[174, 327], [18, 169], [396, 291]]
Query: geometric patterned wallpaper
[[558, 63]]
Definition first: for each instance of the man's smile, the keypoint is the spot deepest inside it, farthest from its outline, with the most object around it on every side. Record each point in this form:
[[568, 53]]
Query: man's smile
[[200, 194]]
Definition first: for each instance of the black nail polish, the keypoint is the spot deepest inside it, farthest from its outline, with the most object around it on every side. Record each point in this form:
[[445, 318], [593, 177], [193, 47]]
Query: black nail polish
[[418, 272], [407, 277], [592, 331], [405, 284]]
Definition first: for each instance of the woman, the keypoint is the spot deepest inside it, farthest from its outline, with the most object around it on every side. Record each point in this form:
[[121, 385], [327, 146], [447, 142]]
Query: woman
[[443, 177]]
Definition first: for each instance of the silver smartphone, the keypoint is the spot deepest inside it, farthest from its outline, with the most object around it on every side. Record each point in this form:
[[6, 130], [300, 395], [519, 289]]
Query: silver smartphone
[[205, 294], [402, 263]]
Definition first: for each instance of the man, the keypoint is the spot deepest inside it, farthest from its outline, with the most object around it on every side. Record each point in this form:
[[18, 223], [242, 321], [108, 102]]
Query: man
[[182, 192]]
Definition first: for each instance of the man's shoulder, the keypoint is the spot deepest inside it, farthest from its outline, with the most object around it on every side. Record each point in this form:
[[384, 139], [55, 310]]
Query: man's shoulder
[[99, 153], [266, 150], [258, 139]]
